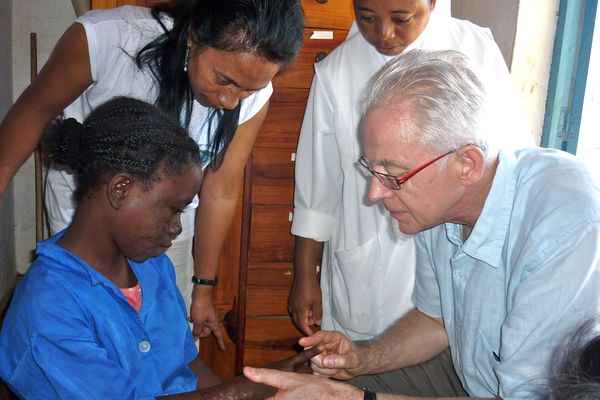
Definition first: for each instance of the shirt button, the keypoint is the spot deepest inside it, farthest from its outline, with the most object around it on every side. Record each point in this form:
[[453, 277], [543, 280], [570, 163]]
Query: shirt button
[[461, 274], [144, 346]]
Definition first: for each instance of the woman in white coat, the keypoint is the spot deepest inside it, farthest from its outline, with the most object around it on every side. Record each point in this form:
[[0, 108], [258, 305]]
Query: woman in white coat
[[367, 270]]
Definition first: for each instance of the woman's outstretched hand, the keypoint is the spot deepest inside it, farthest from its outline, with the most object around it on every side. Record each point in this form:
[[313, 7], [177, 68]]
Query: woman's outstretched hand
[[204, 315]]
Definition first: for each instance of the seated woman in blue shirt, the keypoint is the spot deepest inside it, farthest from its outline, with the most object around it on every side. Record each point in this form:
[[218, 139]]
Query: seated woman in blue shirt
[[98, 315]]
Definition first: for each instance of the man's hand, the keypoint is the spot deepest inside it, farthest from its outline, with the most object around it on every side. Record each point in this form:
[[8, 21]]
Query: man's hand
[[340, 357], [204, 315], [305, 303], [302, 386]]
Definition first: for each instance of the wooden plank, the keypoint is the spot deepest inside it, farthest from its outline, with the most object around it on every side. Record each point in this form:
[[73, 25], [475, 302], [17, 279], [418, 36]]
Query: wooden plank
[[329, 14], [270, 237], [273, 176], [299, 74], [282, 124], [270, 274], [267, 301]]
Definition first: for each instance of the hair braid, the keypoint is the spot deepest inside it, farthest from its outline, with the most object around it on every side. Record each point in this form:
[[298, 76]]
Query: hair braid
[[122, 135]]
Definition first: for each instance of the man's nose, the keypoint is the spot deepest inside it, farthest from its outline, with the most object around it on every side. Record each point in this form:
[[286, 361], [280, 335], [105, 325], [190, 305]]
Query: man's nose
[[377, 191]]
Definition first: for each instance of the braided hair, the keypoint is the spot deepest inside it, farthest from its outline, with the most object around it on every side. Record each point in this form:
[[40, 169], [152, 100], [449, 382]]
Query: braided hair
[[272, 29], [121, 135]]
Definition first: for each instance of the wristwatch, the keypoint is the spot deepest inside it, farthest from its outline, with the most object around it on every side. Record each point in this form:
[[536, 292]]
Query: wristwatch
[[370, 394], [207, 282]]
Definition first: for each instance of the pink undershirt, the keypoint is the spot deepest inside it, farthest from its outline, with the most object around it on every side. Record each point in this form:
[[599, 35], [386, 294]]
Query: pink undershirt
[[134, 296]]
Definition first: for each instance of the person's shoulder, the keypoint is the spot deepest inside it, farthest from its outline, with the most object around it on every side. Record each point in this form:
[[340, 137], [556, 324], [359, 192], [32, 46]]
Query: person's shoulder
[[46, 284], [465, 28], [350, 59], [555, 176], [119, 14]]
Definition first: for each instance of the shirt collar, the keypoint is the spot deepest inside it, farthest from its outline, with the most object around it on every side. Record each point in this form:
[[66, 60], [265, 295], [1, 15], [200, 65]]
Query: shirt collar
[[50, 249], [486, 242]]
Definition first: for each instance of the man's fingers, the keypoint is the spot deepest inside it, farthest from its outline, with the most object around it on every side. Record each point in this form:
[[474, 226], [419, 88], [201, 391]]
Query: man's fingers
[[271, 377]]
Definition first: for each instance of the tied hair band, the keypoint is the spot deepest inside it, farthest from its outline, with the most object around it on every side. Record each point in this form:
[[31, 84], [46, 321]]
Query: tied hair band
[[62, 141], [73, 136]]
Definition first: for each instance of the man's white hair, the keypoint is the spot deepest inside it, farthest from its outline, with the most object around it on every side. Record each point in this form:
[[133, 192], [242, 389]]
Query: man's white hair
[[440, 94]]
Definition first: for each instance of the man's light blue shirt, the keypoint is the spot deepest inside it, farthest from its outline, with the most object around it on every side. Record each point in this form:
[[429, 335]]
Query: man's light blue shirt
[[528, 274]]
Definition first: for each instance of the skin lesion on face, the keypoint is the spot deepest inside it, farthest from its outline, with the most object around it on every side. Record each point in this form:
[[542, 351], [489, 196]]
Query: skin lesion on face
[[221, 79], [391, 26], [152, 219]]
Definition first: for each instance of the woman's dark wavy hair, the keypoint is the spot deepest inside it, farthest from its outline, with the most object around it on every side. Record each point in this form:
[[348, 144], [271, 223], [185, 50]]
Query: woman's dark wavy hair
[[271, 29], [121, 135], [576, 369]]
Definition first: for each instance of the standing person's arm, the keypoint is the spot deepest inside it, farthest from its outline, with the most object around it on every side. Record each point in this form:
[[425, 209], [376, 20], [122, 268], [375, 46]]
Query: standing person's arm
[[305, 301], [317, 196], [218, 200], [63, 78]]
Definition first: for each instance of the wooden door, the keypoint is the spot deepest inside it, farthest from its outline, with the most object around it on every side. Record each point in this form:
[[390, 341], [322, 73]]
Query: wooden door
[[265, 331]]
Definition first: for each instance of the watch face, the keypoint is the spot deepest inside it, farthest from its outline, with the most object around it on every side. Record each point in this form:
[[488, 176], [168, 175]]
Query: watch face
[[370, 394]]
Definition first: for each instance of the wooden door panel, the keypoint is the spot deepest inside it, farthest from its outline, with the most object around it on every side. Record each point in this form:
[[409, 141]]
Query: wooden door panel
[[270, 339], [270, 237], [262, 357], [329, 14], [284, 119], [270, 274], [273, 176], [266, 301], [267, 332], [300, 74], [273, 332]]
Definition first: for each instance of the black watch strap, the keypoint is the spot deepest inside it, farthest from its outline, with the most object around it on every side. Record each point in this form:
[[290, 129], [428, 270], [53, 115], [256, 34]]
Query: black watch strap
[[370, 394], [207, 282]]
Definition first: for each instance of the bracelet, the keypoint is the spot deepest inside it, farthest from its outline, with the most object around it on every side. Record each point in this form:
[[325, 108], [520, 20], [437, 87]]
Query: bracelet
[[207, 282], [370, 394]]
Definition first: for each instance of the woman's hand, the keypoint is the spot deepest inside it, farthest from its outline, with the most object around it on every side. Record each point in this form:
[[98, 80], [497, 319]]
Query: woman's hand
[[204, 315]]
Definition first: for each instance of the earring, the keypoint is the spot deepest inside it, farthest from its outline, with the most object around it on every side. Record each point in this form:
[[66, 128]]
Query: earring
[[187, 56]]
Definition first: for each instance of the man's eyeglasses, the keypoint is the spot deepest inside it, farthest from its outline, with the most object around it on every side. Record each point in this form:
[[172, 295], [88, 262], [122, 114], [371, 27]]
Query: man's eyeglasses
[[395, 182]]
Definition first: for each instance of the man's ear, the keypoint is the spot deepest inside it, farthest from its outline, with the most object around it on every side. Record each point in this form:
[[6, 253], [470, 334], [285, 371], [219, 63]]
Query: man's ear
[[432, 5], [117, 190], [472, 164]]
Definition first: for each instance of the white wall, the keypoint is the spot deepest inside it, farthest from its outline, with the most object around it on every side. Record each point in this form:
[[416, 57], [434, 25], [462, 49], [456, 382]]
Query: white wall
[[524, 31], [532, 57], [48, 19], [499, 16]]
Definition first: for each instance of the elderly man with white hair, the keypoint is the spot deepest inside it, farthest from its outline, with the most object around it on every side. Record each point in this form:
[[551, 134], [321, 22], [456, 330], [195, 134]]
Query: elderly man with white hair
[[508, 242]]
